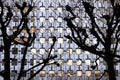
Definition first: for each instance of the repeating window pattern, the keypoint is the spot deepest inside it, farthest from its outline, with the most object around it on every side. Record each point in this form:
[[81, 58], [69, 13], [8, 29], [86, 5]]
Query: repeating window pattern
[[46, 19]]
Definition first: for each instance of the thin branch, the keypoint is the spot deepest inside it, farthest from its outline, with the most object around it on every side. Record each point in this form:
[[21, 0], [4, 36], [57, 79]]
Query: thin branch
[[102, 75], [37, 72], [89, 11]]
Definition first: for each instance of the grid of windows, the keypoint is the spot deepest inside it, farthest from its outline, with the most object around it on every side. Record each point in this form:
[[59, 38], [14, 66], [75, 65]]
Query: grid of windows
[[46, 19]]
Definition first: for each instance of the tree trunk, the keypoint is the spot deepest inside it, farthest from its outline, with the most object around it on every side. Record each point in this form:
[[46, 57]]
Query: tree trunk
[[7, 65], [7, 45], [111, 70]]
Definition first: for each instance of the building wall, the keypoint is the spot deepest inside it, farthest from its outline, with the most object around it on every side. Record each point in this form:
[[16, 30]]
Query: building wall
[[47, 18]]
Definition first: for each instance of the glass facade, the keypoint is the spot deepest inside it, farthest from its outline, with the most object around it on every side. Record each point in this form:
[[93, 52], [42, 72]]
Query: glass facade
[[46, 19]]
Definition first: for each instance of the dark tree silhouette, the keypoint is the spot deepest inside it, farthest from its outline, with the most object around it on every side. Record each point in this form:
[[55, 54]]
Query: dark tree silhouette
[[15, 38], [79, 36]]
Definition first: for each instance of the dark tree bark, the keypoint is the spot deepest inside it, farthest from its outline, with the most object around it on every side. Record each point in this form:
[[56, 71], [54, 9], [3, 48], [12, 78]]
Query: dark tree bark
[[111, 70]]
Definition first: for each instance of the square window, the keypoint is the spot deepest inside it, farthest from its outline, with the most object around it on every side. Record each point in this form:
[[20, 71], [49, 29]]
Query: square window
[[14, 50], [51, 29], [97, 73], [60, 61], [69, 50], [78, 51], [13, 73], [51, 73], [79, 73], [78, 62], [42, 8], [59, 19], [87, 62], [88, 73], [42, 30], [14, 62], [51, 8], [42, 19], [70, 62], [60, 73], [33, 50], [42, 51], [42, 73], [51, 40], [42, 40], [51, 19], [70, 73], [60, 50], [60, 40], [59, 9], [60, 30]]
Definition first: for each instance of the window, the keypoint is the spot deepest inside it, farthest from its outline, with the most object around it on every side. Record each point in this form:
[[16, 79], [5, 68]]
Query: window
[[42, 40], [60, 40], [51, 73], [59, 19], [59, 9], [42, 8], [33, 50], [51, 19], [42, 51], [79, 73], [87, 62], [60, 50], [14, 73], [70, 73], [14, 62], [14, 50], [42, 19], [69, 51], [78, 51], [60, 73], [61, 61], [42, 73], [97, 73], [88, 73], [78, 62], [70, 62]]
